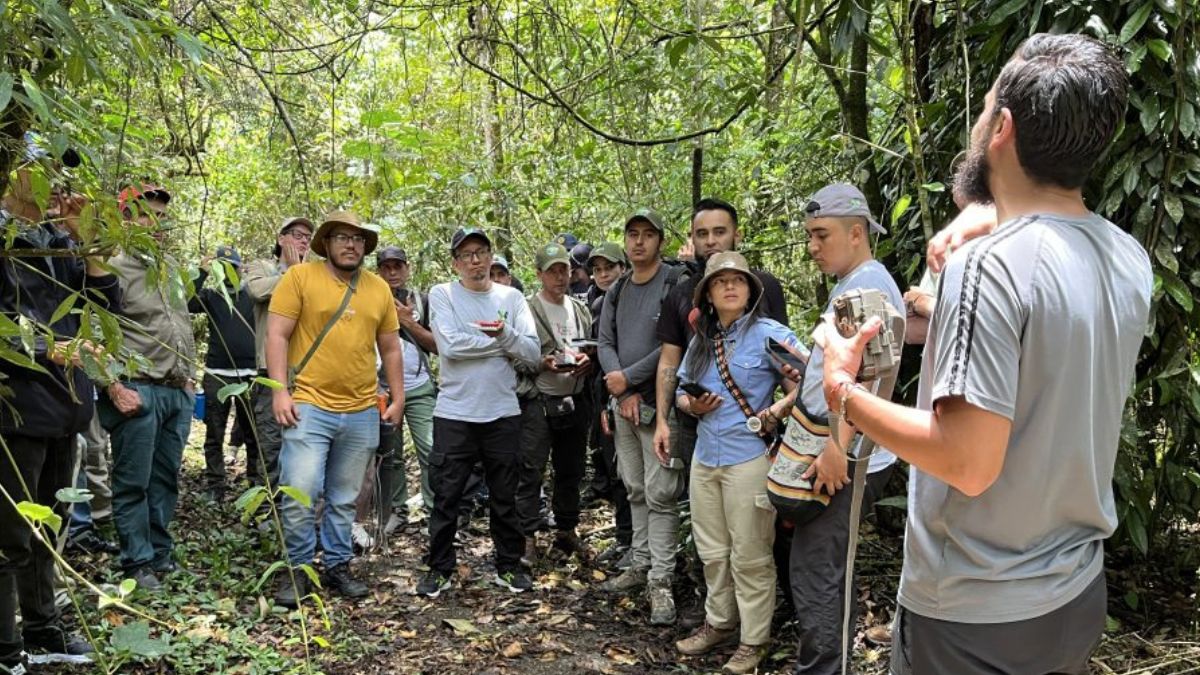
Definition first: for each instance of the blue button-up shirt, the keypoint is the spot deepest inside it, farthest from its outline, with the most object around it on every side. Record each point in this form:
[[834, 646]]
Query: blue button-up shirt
[[722, 437]]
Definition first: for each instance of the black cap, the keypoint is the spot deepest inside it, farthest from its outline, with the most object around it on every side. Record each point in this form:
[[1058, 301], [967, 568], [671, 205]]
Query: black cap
[[391, 253], [465, 233]]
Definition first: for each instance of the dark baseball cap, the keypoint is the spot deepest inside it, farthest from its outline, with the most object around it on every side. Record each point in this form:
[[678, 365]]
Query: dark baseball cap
[[230, 255], [567, 240], [391, 253], [840, 200], [465, 233], [649, 216], [500, 261], [580, 254]]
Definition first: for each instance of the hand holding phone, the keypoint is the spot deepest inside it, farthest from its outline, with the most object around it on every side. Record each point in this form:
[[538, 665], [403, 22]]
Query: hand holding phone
[[784, 356], [694, 389]]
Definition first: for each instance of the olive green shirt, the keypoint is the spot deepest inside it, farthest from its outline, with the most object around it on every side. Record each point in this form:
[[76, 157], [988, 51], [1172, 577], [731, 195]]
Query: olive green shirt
[[156, 304]]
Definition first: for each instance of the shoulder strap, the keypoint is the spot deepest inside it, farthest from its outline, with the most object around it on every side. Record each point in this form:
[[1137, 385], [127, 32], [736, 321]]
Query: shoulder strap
[[329, 325], [539, 315], [734, 389]]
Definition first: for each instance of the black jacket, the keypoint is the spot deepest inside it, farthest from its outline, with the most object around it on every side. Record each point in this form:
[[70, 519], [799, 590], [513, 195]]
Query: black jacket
[[60, 403], [230, 329]]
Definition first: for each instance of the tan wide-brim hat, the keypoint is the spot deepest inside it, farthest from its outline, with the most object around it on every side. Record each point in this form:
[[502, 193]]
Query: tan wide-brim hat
[[727, 261], [335, 218]]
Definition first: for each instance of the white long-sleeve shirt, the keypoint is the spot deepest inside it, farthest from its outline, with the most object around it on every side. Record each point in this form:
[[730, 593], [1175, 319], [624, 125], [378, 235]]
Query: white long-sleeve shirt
[[478, 381]]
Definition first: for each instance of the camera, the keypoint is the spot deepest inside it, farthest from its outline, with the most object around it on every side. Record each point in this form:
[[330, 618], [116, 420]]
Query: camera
[[852, 309]]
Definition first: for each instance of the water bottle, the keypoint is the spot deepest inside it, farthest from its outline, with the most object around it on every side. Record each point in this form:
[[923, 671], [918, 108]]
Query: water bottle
[[198, 409]]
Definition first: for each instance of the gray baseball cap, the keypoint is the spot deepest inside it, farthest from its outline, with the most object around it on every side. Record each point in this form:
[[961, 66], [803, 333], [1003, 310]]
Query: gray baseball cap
[[648, 216], [839, 200], [500, 261]]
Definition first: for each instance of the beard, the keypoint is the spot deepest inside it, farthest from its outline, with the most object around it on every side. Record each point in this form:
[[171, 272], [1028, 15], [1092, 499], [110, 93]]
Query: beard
[[347, 267], [971, 178]]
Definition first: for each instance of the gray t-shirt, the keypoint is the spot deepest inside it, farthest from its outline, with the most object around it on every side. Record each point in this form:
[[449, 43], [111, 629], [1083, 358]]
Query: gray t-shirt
[[629, 335], [871, 274], [478, 382], [1039, 322]]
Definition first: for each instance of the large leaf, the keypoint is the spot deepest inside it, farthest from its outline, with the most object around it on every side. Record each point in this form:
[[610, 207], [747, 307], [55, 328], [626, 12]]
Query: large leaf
[[1135, 22], [135, 639]]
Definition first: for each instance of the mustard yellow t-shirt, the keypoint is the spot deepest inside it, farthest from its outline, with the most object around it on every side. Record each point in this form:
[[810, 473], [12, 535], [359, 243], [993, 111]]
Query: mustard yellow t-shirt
[[341, 375]]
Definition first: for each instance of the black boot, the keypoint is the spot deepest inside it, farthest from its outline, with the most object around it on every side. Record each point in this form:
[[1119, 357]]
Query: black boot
[[288, 594], [339, 580]]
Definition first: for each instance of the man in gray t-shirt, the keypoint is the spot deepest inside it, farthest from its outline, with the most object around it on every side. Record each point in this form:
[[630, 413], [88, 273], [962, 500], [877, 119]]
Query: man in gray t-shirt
[[1028, 364]]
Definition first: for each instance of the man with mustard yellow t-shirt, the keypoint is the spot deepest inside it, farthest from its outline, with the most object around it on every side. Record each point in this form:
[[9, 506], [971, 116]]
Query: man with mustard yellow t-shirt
[[327, 319]]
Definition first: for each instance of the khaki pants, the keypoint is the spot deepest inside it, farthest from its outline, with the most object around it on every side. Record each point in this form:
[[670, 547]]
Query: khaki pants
[[653, 499], [734, 527]]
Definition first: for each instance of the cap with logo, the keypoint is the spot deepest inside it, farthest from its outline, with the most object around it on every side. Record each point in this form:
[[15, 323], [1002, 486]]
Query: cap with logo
[[648, 216], [840, 200], [552, 254], [335, 218], [608, 250], [567, 240], [230, 255], [464, 233]]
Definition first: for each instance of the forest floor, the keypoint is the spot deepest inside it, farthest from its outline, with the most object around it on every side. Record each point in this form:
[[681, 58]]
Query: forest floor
[[214, 618]]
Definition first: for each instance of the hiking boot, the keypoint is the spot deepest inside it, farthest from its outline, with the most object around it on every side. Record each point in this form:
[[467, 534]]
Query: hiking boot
[[395, 522], [566, 542], [166, 565], [361, 538], [626, 561], [530, 556], [629, 580], [288, 594], [55, 645], [90, 542], [662, 603], [17, 668], [880, 635], [516, 581], [706, 639], [745, 659], [146, 579], [432, 584], [612, 554], [339, 580]]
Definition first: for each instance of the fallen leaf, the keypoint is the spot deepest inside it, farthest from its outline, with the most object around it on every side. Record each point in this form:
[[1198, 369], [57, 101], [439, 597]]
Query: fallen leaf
[[598, 575], [407, 634], [513, 650], [557, 619], [461, 626]]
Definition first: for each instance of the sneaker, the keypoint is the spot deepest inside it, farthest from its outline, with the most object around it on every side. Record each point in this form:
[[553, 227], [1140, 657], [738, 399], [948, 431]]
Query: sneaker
[[288, 594], [146, 579], [90, 542], [629, 580], [339, 580], [17, 668], [395, 522], [529, 558], [360, 538], [516, 581], [745, 659], [706, 639], [662, 603], [55, 645], [433, 583]]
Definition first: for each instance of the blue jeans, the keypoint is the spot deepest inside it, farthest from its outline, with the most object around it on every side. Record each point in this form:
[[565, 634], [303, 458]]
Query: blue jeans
[[325, 454]]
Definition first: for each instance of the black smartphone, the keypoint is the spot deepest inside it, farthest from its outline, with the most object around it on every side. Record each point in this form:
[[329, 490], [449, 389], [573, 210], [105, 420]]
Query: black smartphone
[[783, 355], [694, 390]]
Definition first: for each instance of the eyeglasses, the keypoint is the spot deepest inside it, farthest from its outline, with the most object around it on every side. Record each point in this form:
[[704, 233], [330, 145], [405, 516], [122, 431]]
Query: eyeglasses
[[478, 254], [343, 239], [299, 236]]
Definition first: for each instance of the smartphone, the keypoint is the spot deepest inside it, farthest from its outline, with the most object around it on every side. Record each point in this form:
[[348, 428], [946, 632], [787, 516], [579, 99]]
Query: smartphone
[[584, 344], [564, 361], [646, 414], [783, 355], [694, 390]]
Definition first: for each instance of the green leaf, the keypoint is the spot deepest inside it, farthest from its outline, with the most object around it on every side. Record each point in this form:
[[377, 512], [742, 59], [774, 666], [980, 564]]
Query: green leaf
[[1160, 49], [1131, 599], [250, 500], [1135, 22], [900, 207], [266, 576], [1150, 113], [64, 307], [232, 389], [1178, 290], [135, 639], [1173, 206], [6, 87], [461, 626], [36, 100], [1187, 119], [321, 642], [36, 513], [311, 574], [268, 383], [126, 587], [73, 495], [297, 494], [896, 502], [934, 187]]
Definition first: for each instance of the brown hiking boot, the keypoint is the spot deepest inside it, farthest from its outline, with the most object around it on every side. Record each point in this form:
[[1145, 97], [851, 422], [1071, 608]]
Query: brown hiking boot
[[706, 639], [745, 659], [631, 579]]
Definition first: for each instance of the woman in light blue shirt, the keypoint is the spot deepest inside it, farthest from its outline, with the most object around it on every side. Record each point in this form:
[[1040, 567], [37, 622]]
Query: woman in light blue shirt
[[732, 519]]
